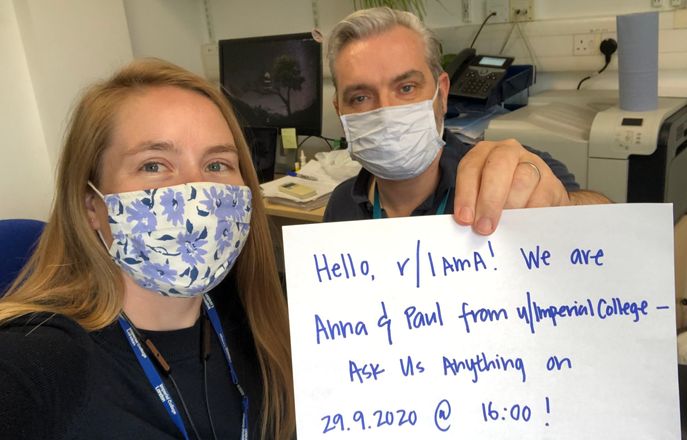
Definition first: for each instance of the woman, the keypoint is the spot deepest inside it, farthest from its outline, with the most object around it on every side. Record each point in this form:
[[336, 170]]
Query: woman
[[116, 327]]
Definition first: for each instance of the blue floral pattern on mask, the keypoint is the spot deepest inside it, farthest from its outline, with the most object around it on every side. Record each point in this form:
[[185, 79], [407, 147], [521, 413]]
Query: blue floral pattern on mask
[[173, 204], [180, 240]]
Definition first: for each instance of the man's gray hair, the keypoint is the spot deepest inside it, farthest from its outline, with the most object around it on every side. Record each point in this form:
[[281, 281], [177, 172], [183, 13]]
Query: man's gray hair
[[368, 22]]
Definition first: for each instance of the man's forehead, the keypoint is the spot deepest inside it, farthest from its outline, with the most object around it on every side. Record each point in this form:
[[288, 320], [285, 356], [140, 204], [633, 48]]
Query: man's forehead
[[383, 57]]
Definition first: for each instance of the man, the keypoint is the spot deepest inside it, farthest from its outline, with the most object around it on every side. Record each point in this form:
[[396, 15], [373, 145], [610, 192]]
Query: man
[[391, 95]]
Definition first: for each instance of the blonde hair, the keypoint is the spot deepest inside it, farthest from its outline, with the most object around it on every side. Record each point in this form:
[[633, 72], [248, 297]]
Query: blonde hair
[[71, 273], [374, 21]]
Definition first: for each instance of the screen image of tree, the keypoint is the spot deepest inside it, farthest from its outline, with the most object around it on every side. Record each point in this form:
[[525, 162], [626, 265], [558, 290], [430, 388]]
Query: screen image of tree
[[274, 83]]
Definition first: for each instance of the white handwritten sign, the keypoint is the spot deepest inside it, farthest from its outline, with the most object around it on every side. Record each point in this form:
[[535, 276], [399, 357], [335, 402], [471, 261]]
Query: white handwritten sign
[[559, 325]]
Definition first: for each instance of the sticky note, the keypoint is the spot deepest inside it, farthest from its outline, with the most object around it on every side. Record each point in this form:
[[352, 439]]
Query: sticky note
[[288, 138]]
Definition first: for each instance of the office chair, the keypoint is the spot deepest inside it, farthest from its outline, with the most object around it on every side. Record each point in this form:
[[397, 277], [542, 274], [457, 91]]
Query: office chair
[[18, 238]]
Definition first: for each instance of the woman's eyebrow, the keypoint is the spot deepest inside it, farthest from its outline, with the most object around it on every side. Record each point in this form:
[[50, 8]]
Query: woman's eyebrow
[[151, 146], [222, 148]]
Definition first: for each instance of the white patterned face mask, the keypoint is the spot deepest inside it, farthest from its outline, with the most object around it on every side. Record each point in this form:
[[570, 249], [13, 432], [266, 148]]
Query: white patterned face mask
[[179, 240]]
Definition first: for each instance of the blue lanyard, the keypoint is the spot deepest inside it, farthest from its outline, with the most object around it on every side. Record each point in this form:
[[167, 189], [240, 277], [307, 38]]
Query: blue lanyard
[[217, 325], [159, 386], [377, 207]]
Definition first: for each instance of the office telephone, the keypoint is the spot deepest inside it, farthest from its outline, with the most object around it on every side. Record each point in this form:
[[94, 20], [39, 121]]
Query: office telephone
[[476, 76]]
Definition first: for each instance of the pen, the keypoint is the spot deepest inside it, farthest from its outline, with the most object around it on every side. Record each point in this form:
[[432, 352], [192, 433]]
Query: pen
[[302, 176]]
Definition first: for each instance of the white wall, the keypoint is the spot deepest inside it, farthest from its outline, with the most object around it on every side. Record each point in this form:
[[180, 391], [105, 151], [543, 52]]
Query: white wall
[[51, 50], [25, 169], [170, 29], [69, 44]]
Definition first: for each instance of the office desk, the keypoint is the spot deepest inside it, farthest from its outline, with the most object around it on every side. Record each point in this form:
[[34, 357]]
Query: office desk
[[280, 216], [275, 210]]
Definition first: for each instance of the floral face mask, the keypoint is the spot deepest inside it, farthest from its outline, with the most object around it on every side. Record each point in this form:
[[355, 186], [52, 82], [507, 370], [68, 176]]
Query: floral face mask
[[179, 240]]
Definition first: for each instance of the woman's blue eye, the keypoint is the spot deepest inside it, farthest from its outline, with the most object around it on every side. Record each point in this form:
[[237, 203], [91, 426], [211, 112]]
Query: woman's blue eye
[[216, 166]]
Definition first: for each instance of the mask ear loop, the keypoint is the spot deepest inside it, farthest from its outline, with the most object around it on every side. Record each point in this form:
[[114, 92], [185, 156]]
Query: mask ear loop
[[96, 190], [440, 129], [100, 234], [436, 91]]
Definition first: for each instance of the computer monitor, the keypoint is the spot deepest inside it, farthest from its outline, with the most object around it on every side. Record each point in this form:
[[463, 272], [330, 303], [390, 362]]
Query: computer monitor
[[274, 81]]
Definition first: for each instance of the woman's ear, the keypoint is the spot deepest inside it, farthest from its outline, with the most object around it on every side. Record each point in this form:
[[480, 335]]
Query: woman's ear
[[90, 202]]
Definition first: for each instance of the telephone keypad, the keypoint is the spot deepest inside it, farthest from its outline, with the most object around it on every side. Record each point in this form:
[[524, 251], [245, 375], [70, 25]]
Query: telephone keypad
[[478, 82]]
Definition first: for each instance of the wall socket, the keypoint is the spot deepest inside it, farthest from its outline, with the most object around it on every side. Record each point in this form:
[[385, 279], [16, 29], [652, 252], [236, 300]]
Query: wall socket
[[680, 19], [500, 7], [466, 11], [521, 10], [586, 44], [210, 56]]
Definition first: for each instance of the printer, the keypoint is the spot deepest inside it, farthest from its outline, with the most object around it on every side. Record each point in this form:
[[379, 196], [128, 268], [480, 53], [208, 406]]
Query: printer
[[627, 156]]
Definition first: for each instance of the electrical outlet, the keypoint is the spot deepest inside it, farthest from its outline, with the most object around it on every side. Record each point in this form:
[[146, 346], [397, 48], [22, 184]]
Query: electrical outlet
[[500, 7], [657, 3], [467, 11], [676, 3], [210, 57], [521, 10], [680, 19], [586, 44]]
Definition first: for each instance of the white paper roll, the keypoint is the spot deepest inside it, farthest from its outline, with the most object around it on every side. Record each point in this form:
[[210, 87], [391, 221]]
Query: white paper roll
[[638, 61]]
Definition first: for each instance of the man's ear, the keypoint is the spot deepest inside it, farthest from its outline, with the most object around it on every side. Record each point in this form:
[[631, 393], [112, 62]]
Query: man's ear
[[90, 202], [444, 85], [335, 102]]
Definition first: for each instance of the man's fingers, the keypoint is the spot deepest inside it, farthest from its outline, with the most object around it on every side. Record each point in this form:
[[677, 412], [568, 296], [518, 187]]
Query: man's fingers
[[468, 182], [526, 178], [497, 176], [497, 179]]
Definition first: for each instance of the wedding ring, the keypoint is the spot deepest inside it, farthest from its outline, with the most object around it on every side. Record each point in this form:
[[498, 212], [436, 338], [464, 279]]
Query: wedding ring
[[536, 170]]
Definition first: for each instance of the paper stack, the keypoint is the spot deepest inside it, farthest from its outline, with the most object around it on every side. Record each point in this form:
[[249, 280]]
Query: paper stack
[[322, 190], [321, 175]]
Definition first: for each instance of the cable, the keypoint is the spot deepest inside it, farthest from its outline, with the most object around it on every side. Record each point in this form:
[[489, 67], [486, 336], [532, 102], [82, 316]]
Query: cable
[[207, 401], [608, 48], [325, 139], [505, 43], [533, 57], [204, 355], [480, 28], [183, 405]]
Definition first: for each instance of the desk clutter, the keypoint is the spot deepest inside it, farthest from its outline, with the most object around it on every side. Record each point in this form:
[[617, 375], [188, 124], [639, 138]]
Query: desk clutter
[[469, 126], [312, 185]]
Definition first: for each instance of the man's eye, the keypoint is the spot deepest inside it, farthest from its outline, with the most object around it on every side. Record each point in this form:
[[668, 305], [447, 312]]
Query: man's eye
[[151, 167], [407, 88], [358, 99]]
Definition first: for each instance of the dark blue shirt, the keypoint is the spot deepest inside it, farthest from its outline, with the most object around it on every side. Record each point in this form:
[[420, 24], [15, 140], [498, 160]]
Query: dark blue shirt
[[349, 200]]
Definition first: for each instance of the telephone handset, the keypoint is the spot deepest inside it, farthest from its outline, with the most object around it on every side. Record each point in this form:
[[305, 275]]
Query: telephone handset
[[476, 76]]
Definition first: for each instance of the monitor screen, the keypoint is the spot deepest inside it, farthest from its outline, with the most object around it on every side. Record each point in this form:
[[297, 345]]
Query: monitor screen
[[275, 81]]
